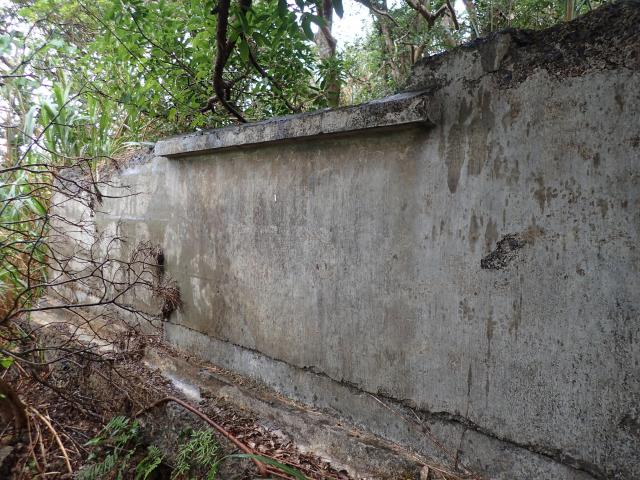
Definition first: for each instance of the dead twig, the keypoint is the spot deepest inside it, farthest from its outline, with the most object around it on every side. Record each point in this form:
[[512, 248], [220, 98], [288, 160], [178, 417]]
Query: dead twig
[[43, 451], [32, 447], [63, 450]]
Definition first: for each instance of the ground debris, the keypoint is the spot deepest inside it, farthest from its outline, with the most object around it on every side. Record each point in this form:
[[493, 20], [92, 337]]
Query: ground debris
[[95, 392]]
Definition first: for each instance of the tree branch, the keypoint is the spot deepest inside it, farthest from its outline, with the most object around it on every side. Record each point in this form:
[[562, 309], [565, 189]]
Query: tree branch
[[223, 50], [426, 14]]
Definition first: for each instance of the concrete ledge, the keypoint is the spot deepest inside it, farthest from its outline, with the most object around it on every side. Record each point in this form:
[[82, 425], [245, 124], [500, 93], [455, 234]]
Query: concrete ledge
[[396, 111]]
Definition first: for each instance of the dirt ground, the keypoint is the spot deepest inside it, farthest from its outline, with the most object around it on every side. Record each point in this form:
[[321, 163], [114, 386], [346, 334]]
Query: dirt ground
[[70, 400]]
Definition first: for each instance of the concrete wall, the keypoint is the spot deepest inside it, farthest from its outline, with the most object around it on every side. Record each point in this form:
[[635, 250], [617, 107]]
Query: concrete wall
[[468, 252]]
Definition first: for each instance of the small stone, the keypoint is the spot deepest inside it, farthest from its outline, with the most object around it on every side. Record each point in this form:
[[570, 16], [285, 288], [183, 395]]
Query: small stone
[[424, 473]]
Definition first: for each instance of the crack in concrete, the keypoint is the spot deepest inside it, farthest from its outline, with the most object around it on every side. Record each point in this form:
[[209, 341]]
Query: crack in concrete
[[553, 454]]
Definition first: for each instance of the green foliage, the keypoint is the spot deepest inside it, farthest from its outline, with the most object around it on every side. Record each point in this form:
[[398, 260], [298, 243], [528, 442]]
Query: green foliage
[[380, 63], [493, 15], [200, 456], [6, 362], [151, 62], [201, 452], [74, 130], [119, 449], [119, 440], [54, 123], [148, 65], [149, 463], [23, 219], [56, 131], [99, 470]]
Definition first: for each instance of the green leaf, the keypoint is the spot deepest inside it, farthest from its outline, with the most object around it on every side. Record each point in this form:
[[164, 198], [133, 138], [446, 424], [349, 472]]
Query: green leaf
[[5, 42], [260, 39], [57, 43], [306, 26], [283, 8], [244, 25], [149, 463], [337, 7], [29, 121], [321, 22], [244, 50], [6, 362]]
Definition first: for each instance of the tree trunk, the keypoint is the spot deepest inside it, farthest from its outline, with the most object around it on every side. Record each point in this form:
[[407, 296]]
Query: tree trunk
[[327, 50], [390, 49], [473, 17]]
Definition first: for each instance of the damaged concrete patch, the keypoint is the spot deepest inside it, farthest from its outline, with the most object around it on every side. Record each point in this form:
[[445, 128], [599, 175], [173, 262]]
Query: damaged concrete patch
[[507, 248], [504, 252]]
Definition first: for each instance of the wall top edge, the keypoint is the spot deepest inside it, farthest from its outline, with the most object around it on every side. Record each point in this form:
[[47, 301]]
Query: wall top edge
[[404, 109]]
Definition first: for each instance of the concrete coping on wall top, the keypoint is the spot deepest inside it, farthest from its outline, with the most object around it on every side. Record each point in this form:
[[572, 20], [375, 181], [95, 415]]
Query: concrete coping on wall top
[[401, 110]]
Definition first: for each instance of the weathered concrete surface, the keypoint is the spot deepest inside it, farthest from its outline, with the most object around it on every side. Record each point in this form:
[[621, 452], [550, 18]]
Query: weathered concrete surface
[[482, 275]]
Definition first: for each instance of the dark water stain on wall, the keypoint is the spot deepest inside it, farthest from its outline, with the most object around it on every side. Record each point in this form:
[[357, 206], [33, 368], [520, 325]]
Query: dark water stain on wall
[[455, 147], [478, 134], [474, 232], [490, 235]]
